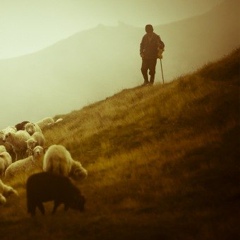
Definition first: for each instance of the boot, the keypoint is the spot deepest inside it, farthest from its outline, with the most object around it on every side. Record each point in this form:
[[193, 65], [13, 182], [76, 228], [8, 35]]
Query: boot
[[152, 79], [145, 76]]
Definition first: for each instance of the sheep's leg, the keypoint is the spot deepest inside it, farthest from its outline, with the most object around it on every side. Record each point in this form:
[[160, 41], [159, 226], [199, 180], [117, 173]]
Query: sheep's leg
[[31, 208], [56, 204], [66, 207], [33, 213], [41, 208]]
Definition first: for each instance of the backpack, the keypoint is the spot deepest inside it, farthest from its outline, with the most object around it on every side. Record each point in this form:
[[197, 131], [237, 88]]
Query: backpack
[[160, 50]]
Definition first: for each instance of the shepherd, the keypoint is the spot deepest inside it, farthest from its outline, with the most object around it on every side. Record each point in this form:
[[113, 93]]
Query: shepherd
[[150, 47]]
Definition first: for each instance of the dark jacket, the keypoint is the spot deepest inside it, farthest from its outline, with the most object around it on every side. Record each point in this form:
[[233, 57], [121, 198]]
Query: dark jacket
[[149, 47]]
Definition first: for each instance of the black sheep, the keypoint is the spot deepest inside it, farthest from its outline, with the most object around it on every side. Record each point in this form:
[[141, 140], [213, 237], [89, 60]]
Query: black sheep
[[44, 187], [21, 125]]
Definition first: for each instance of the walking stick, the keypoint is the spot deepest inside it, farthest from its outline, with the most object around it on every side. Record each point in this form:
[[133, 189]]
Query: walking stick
[[162, 70], [160, 51]]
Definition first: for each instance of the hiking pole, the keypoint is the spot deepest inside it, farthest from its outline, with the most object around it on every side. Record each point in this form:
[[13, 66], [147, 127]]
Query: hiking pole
[[160, 51], [162, 70]]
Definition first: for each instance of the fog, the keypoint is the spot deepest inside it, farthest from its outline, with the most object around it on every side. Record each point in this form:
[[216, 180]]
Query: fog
[[29, 25], [82, 52]]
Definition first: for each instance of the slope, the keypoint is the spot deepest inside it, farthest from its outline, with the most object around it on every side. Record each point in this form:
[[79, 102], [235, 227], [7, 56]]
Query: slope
[[164, 158], [163, 163]]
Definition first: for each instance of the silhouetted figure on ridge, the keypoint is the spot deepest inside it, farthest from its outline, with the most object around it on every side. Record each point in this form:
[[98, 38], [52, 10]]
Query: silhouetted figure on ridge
[[150, 45]]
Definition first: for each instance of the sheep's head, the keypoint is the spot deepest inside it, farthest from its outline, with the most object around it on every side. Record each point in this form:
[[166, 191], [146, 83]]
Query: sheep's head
[[80, 174], [6, 136], [38, 152], [31, 143], [30, 128], [77, 171]]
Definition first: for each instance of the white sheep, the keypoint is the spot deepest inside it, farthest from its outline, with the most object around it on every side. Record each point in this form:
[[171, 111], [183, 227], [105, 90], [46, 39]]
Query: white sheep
[[18, 142], [31, 128], [5, 191], [58, 160], [48, 121], [6, 147], [26, 166], [77, 171], [45, 122], [7, 130], [37, 139], [2, 148], [5, 161]]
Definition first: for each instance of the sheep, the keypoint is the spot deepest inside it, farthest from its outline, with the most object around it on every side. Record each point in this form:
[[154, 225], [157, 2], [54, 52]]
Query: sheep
[[2, 142], [2, 133], [6, 147], [28, 165], [18, 142], [5, 191], [58, 160], [7, 130], [31, 144], [45, 122], [31, 128], [44, 187], [48, 121], [21, 125], [37, 139], [5, 161], [77, 172], [2, 148]]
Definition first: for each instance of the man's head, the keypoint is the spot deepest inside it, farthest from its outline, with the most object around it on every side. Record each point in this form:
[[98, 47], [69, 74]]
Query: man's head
[[149, 28]]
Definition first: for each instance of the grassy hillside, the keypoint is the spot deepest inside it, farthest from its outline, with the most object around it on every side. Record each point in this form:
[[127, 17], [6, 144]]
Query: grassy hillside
[[163, 163], [96, 63]]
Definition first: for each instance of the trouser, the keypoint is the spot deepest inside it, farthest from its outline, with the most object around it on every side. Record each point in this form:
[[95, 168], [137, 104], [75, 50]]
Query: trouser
[[148, 64]]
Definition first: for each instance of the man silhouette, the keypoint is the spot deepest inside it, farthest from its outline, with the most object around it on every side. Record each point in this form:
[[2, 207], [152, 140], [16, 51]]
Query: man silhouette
[[150, 45]]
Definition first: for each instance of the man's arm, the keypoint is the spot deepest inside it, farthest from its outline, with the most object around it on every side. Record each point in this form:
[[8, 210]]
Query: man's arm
[[161, 44], [142, 47]]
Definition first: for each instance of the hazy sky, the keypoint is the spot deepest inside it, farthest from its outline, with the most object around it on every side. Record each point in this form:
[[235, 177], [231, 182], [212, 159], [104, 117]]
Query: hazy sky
[[29, 25]]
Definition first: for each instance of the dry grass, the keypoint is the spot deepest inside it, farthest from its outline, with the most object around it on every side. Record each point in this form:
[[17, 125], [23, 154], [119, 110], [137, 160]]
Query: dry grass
[[163, 163]]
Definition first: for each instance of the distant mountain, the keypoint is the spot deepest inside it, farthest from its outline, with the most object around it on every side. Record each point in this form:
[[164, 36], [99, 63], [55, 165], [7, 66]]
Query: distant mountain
[[96, 63], [193, 42]]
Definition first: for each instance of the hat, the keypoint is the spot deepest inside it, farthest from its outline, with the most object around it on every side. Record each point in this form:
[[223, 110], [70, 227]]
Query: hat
[[149, 28]]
